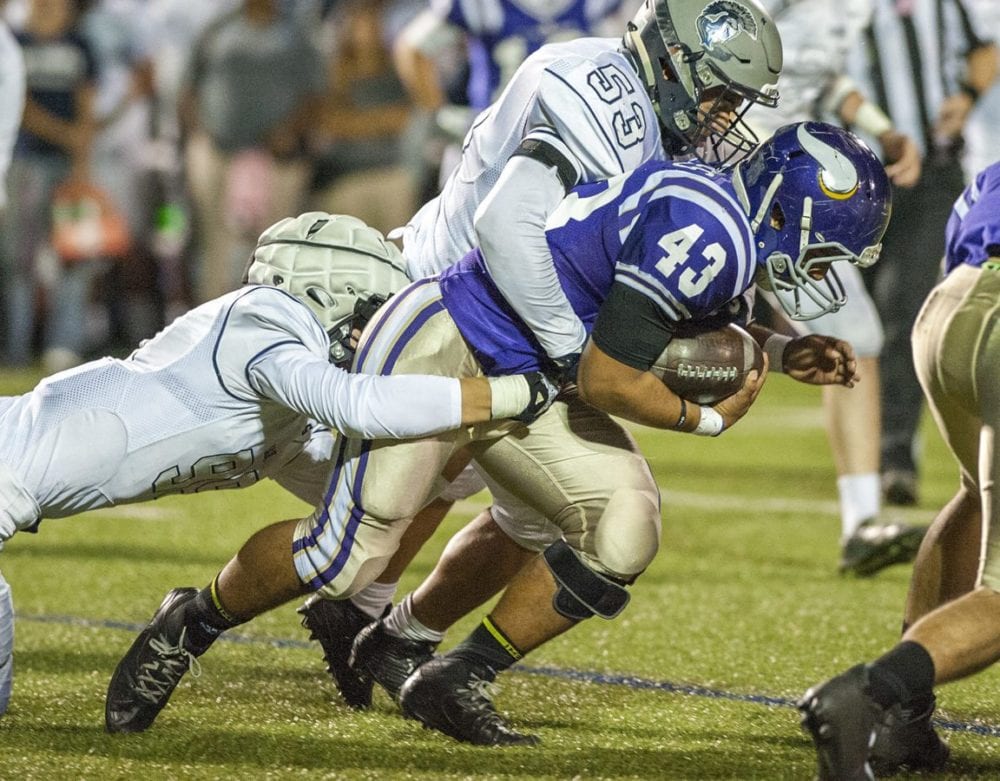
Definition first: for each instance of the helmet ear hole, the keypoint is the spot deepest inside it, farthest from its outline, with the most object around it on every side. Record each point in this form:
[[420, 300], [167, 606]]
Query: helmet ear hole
[[777, 216], [277, 280], [321, 297]]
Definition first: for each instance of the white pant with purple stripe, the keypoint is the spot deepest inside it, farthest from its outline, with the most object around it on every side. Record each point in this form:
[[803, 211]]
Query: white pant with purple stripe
[[574, 466]]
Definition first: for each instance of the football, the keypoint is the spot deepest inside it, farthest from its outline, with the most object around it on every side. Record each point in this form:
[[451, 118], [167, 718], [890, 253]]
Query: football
[[708, 363]]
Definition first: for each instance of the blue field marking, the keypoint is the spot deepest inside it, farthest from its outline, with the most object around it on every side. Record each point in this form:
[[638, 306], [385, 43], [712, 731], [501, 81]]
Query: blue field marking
[[580, 676]]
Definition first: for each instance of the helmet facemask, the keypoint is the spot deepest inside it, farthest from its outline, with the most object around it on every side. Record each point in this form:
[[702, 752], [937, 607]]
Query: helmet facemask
[[693, 79]]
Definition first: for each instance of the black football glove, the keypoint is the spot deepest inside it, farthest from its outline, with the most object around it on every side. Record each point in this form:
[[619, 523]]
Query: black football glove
[[543, 393]]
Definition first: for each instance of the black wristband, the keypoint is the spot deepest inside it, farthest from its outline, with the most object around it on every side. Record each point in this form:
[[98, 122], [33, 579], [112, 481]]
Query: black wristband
[[683, 417], [969, 90]]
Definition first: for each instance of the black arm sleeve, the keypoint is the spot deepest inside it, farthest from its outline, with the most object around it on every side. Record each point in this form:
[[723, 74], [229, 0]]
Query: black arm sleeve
[[631, 328]]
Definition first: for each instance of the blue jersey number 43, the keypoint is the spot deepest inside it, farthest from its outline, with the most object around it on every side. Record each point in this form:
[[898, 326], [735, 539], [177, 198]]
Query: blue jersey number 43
[[677, 245]]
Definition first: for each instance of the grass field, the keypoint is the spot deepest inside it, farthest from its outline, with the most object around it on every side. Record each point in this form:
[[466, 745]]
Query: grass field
[[741, 611]]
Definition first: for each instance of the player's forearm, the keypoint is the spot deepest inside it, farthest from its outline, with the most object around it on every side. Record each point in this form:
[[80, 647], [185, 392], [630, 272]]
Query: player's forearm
[[476, 400], [360, 405], [643, 400], [396, 407], [772, 343], [630, 393], [981, 67]]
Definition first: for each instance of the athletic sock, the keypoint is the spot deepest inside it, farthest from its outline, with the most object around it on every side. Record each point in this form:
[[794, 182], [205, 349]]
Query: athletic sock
[[402, 623], [206, 618], [374, 598], [490, 646], [860, 500], [903, 675]]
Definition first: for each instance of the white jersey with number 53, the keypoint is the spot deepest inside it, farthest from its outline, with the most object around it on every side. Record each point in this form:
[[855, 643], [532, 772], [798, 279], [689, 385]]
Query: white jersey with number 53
[[581, 97]]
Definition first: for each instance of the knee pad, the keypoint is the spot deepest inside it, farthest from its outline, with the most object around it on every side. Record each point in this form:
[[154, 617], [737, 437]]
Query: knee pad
[[582, 592], [627, 537]]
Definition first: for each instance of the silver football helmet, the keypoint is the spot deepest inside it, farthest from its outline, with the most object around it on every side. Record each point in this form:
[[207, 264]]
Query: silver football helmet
[[329, 262], [705, 63]]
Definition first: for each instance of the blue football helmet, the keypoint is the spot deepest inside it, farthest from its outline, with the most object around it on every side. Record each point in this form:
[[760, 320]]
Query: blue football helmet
[[815, 194]]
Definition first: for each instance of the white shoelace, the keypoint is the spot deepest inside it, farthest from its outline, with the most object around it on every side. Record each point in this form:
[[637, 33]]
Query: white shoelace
[[158, 677]]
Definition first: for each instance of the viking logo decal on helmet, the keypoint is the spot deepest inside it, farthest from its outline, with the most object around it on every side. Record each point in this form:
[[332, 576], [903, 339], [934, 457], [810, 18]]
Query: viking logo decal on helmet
[[815, 195], [722, 21], [838, 178]]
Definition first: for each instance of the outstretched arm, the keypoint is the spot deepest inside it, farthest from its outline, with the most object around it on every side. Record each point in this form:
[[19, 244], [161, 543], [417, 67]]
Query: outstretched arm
[[814, 359], [395, 406]]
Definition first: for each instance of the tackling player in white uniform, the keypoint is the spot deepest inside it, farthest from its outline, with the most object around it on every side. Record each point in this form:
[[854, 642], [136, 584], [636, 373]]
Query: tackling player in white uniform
[[238, 389], [636, 256]]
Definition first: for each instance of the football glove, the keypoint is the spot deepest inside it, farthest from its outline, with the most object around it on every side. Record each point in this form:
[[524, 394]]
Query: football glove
[[542, 393]]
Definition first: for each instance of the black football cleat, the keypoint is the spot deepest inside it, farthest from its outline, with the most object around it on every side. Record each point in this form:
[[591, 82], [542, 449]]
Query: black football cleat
[[335, 624], [875, 546], [148, 674], [387, 660], [906, 739], [841, 718], [450, 694]]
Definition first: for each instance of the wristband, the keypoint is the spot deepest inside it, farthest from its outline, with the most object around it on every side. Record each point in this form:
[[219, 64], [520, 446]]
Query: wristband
[[870, 119], [508, 396], [774, 348], [968, 89], [711, 423], [679, 425]]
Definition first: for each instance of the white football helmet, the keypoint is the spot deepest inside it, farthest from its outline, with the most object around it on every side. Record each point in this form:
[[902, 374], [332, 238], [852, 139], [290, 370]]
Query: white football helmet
[[697, 57], [329, 262]]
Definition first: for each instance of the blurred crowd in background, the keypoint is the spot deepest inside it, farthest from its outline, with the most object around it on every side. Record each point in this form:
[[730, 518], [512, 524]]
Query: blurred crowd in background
[[196, 125]]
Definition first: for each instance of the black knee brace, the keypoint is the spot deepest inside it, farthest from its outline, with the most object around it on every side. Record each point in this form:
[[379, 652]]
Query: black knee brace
[[582, 592]]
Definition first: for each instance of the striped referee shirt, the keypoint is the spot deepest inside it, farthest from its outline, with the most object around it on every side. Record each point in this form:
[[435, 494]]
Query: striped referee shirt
[[912, 57]]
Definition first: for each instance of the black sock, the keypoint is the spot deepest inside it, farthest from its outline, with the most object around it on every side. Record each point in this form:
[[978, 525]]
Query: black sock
[[489, 645], [904, 675], [206, 619]]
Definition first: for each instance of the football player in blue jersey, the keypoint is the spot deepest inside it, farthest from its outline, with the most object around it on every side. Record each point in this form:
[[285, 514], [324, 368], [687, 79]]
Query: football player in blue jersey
[[637, 256], [575, 112], [953, 606]]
